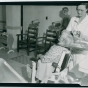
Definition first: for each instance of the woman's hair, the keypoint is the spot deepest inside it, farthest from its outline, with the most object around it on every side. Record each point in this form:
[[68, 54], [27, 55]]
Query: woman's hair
[[68, 38], [86, 6], [66, 34]]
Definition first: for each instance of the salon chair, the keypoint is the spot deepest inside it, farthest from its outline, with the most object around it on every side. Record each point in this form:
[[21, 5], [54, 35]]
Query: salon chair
[[62, 64]]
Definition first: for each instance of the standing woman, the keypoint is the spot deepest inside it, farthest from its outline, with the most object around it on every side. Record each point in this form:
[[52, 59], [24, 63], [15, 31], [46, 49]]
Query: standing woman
[[78, 27]]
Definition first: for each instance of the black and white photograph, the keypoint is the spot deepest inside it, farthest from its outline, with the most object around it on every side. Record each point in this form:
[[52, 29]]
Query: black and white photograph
[[44, 42]]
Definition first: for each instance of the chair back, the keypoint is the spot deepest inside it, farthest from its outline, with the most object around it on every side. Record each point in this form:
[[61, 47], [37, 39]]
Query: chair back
[[33, 34], [50, 38], [63, 62], [45, 42]]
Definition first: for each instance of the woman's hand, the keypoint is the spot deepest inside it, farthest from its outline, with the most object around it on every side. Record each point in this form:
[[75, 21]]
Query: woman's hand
[[76, 35], [39, 56]]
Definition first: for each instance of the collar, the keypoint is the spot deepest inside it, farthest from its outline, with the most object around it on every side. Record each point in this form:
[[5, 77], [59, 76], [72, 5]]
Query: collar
[[77, 19]]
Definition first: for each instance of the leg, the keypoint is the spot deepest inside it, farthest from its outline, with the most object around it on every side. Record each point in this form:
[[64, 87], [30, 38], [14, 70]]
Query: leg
[[43, 70], [33, 71]]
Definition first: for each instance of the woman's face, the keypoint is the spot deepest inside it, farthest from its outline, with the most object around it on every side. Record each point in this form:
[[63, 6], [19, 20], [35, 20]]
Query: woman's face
[[81, 10]]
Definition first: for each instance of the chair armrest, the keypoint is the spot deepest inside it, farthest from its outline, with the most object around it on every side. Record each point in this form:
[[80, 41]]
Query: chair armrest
[[34, 59], [21, 34], [40, 39], [54, 64]]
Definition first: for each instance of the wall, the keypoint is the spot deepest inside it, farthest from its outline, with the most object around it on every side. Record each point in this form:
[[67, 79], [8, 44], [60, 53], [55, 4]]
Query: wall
[[73, 11], [40, 12], [2, 16], [13, 15], [13, 21]]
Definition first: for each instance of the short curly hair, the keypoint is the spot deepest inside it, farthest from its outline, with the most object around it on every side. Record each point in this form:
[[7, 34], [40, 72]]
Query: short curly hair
[[68, 37]]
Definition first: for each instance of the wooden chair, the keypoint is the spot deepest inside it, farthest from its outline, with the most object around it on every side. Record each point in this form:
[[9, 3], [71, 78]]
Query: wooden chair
[[29, 40], [33, 36], [45, 42], [62, 64], [22, 43]]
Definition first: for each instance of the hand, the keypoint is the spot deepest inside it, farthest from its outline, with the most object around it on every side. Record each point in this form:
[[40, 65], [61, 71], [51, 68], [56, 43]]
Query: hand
[[76, 38], [76, 33], [83, 37], [54, 64], [39, 56]]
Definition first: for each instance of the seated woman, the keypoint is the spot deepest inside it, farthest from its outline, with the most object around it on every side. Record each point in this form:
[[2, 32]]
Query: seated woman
[[44, 65]]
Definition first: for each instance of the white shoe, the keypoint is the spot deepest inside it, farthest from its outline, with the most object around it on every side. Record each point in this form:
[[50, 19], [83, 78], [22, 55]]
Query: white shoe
[[2, 48], [10, 51]]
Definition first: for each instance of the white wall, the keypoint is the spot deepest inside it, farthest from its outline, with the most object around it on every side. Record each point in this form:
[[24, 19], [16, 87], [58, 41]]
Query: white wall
[[13, 20], [13, 15], [73, 11], [40, 12]]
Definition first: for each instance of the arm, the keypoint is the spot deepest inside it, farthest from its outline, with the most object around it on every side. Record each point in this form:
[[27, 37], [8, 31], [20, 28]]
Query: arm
[[50, 58], [65, 22], [52, 54], [40, 56], [79, 36], [84, 37], [69, 27]]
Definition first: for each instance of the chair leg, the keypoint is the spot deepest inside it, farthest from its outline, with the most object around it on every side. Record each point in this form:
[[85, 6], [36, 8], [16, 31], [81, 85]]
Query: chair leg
[[35, 53], [28, 50], [17, 48], [17, 43]]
